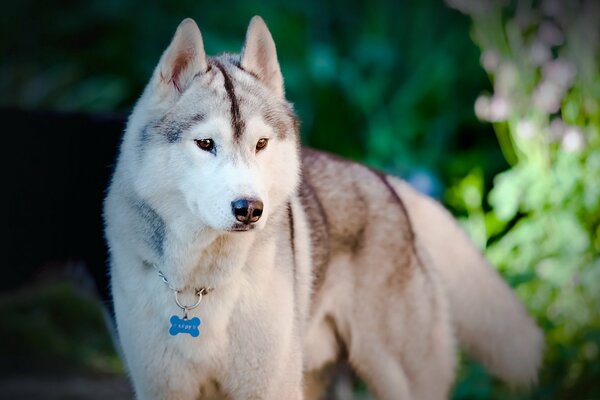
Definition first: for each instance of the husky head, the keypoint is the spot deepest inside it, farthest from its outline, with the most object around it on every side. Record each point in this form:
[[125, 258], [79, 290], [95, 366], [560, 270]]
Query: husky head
[[214, 139]]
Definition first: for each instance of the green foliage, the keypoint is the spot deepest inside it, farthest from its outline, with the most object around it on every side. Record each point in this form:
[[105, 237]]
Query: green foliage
[[541, 222], [390, 83], [54, 322]]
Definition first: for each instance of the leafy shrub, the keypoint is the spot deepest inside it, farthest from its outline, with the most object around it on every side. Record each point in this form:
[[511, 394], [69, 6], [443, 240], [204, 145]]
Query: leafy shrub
[[540, 223]]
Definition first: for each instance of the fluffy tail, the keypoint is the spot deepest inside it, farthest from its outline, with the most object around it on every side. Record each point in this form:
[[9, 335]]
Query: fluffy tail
[[491, 323]]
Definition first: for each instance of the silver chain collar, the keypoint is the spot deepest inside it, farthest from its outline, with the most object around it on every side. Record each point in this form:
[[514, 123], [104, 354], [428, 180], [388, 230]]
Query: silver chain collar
[[200, 292]]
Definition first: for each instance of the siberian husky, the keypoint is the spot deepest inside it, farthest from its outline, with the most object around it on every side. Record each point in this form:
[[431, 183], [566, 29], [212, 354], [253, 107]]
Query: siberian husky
[[244, 266]]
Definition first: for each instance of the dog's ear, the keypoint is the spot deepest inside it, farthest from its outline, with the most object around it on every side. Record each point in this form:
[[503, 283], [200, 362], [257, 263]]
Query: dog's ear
[[184, 58], [259, 56]]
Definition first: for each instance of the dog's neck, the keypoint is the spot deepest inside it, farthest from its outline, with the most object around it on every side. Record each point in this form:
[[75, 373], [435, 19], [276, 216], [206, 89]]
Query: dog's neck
[[192, 255], [203, 257]]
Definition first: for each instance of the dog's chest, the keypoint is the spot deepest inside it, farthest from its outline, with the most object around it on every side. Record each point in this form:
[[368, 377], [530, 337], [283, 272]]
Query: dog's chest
[[202, 344], [222, 315]]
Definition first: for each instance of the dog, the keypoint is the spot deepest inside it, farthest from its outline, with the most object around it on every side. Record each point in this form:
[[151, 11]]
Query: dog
[[244, 266]]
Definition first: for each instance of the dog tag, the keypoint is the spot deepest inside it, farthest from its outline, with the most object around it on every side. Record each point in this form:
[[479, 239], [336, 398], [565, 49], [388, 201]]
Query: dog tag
[[183, 325]]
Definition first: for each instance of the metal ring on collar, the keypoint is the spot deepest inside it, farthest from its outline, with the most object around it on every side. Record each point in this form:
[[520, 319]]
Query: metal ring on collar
[[184, 307]]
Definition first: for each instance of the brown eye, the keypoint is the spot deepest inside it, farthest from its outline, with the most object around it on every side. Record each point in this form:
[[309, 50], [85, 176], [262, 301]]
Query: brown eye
[[205, 144], [261, 144]]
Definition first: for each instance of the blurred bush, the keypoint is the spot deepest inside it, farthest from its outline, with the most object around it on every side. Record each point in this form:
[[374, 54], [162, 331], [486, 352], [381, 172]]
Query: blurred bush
[[540, 224], [390, 83], [54, 327]]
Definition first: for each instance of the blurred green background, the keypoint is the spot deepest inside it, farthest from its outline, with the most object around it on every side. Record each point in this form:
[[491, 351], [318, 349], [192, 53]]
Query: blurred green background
[[490, 106]]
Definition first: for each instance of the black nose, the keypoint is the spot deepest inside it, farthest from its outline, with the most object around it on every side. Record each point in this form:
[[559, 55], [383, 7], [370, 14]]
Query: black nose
[[247, 210]]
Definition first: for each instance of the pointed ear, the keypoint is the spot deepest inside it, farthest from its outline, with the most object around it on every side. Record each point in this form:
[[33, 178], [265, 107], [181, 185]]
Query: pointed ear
[[183, 59], [259, 56]]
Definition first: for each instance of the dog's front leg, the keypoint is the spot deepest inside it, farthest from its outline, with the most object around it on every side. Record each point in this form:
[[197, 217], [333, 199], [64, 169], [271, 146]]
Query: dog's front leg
[[265, 353], [154, 360], [270, 375]]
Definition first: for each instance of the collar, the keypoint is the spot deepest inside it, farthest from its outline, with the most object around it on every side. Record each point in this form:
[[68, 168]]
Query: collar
[[200, 292]]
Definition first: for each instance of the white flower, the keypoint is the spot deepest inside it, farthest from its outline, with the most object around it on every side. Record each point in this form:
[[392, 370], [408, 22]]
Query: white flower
[[539, 53], [560, 72], [550, 34], [548, 96], [490, 59], [493, 109], [482, 108], [525, 129], [499, 109], [573, 140]]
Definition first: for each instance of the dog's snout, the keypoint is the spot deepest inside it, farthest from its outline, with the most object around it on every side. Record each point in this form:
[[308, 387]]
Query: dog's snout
[[247, 210]]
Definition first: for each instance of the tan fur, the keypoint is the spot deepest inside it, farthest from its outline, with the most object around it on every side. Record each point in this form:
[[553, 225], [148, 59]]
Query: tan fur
[[378, 302]]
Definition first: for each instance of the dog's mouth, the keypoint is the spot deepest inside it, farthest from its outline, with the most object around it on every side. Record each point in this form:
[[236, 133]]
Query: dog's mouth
[[242, 227]]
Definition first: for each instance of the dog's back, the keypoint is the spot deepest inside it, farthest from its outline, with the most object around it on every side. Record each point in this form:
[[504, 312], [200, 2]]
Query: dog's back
[[377, 302], [394, 279]]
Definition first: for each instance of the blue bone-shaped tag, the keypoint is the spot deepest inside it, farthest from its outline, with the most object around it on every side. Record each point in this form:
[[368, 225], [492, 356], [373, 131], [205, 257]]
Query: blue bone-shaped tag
[[182, 325]]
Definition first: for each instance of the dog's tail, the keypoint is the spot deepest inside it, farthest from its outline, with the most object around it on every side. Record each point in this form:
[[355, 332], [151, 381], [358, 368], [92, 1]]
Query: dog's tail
[[491, 323]]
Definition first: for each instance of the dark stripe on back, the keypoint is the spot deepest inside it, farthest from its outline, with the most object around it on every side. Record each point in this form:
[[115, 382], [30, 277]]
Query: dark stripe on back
[[379, 174], [292, 235], [383, 178], [411, 231], [236, 121], [293, 249], [318, 228]]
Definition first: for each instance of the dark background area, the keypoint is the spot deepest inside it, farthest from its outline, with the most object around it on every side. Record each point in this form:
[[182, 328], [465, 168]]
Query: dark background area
[[395, 85]]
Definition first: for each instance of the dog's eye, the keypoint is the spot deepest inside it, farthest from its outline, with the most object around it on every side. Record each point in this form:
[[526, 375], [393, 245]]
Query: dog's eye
[[261, 144], [205, 144]]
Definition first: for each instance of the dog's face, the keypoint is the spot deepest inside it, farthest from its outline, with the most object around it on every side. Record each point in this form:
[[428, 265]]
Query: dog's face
[[216, 135]]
